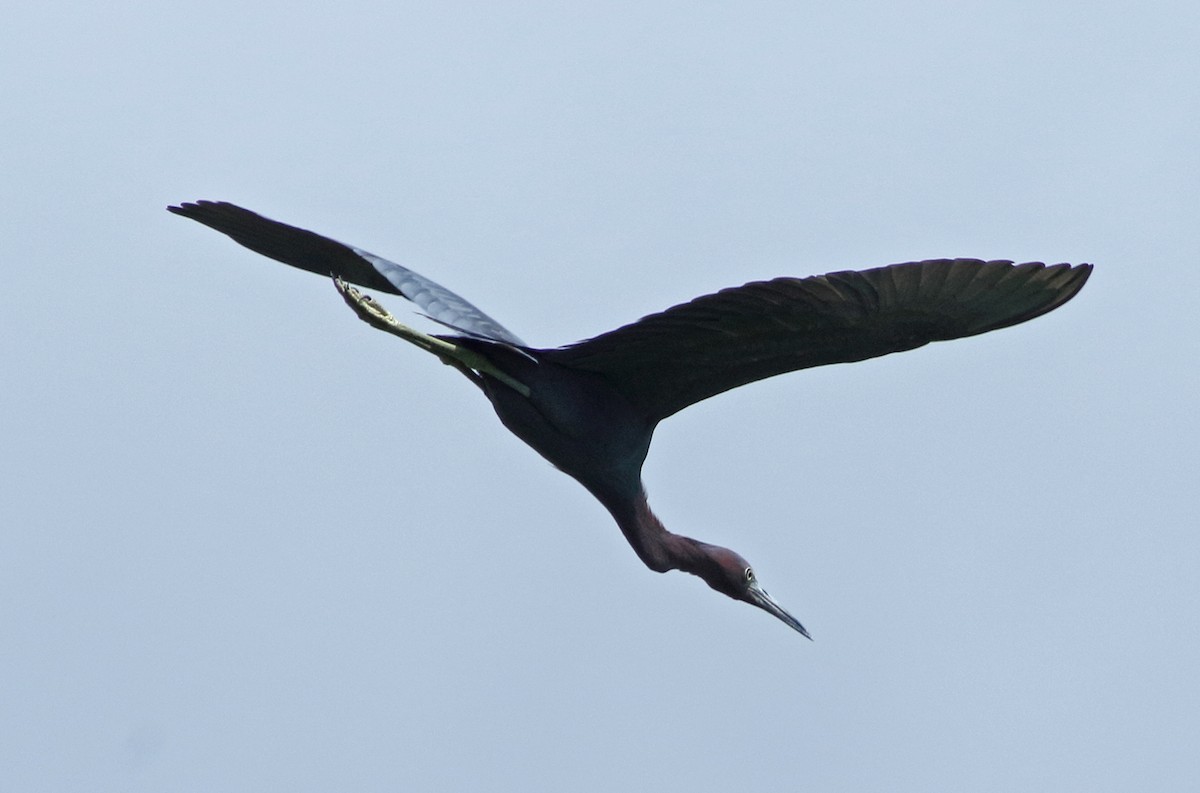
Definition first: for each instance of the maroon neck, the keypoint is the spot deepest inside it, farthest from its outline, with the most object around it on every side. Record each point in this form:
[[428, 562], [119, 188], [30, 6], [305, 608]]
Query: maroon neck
[[658, 548]]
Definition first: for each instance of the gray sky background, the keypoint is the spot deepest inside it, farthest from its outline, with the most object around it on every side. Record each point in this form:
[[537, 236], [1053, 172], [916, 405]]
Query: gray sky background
[[250, 544]]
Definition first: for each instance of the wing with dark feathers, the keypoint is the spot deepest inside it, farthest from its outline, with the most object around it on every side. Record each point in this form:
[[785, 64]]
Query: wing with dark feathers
[[323, 256], [673, 359]]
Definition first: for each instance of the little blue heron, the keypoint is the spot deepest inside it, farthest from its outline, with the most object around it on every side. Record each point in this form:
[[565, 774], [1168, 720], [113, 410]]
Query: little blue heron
[[590, 408]]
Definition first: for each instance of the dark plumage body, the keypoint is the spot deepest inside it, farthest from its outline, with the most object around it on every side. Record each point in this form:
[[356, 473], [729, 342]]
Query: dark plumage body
[[591, 408]]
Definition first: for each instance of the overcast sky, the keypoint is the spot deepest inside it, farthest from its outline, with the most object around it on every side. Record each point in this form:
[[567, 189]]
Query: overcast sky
[[248, 543]]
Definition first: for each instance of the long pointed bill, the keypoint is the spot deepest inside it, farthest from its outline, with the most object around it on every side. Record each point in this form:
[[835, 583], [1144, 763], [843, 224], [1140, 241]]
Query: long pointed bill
[[760, 598]]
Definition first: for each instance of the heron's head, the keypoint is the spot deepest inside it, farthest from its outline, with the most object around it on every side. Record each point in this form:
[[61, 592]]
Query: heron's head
[[730, 574]]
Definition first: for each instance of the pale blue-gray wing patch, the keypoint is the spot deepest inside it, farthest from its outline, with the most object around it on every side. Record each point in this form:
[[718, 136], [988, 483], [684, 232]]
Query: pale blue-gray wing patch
[[439, 303]]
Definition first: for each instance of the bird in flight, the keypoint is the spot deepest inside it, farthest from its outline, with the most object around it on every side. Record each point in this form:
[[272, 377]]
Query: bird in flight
[[591, 407]]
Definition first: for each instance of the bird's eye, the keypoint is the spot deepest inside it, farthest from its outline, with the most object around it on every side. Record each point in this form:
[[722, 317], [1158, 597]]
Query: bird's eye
[[749, 575]]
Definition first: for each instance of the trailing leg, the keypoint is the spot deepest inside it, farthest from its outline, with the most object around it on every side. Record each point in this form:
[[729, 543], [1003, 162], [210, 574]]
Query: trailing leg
[[469, 362]]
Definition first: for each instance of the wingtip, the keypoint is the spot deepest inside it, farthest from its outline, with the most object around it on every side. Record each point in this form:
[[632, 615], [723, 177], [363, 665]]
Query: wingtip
[[1076, 276], [191, 208], [187, 208]]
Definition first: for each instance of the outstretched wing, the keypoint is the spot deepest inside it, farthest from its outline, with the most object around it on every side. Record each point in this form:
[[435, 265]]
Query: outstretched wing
[[323, 256], [673, 359]]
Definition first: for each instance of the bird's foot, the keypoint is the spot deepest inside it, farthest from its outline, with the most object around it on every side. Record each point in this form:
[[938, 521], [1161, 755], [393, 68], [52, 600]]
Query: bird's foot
[[466, 361], [375, 315], [365, 307]]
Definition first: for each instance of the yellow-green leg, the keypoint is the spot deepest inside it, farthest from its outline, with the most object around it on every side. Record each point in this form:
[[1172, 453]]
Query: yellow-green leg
[[469, 362]]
